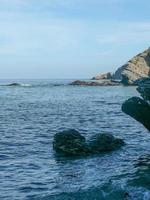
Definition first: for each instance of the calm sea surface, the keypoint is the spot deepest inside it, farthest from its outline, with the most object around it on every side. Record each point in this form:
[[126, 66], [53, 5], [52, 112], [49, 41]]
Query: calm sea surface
[[31, 114]]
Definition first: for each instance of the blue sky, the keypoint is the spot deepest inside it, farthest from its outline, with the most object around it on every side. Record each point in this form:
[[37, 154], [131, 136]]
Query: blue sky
[[70, 38]]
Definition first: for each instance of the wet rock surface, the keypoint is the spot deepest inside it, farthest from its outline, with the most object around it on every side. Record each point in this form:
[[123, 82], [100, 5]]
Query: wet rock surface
[[139, 108], [144, 88], [72, 143], [104, 142]]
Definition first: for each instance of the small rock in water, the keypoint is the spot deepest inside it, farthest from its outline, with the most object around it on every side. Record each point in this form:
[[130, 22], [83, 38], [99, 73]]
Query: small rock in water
[[72, 143]]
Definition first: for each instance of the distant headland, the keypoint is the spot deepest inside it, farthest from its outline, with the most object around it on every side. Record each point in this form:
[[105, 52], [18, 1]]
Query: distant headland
[[128, 74]]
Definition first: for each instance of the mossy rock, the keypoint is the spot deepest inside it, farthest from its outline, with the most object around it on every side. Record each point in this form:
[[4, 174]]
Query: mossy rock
[[104, 142], [70, 142]]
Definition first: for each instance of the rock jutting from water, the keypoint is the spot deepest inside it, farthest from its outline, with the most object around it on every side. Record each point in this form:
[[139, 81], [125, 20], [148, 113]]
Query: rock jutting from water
[[72, 143], [139, 108], [104, 82]]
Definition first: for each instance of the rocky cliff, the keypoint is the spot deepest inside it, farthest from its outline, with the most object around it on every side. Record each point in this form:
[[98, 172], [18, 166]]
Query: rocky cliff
[[136, 68], [129, 74]]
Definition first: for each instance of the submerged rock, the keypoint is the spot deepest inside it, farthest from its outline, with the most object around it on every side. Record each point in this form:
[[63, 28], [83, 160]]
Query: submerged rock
[[137, 107], [72, 143], [104, 142]]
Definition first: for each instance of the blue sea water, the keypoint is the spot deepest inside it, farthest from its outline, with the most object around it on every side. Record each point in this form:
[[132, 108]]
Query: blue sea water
[[30, 115]]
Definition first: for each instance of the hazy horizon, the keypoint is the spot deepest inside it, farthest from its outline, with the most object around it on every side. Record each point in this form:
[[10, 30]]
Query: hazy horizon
[[69, 39]]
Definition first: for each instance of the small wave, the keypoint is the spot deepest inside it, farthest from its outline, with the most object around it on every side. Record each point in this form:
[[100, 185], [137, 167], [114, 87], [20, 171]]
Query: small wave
[[30, 85], [25, 85], [16, 85]]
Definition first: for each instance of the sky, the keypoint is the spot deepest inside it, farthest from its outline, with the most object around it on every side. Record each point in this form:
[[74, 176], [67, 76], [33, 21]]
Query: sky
[[70, 38]]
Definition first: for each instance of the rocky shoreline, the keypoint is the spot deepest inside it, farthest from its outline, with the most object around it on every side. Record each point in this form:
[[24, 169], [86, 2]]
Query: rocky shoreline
[[103, 82], [129, 74]]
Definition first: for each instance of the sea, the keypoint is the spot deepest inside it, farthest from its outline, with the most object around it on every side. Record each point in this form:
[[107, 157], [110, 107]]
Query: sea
[[32, 112]]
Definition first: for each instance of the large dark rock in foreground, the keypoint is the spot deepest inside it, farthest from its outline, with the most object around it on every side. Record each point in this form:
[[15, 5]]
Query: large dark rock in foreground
[[96, 83], [139, 108], [144, 88], [72, 143]]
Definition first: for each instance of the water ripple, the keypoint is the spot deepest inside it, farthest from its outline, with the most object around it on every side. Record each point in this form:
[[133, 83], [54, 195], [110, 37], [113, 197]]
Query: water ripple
[[29, 169]]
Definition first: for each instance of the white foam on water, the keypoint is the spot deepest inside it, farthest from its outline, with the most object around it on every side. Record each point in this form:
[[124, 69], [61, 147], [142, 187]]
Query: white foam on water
[[25, 85]]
